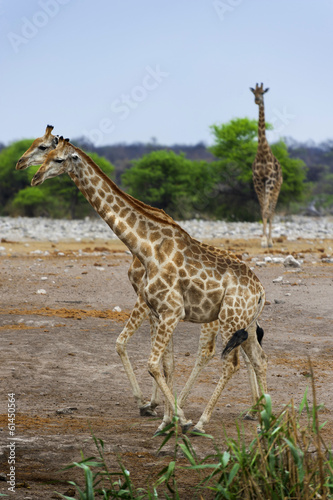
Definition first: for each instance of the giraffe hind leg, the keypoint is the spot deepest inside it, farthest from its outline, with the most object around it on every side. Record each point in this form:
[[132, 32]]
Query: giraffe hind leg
[[206, 351]]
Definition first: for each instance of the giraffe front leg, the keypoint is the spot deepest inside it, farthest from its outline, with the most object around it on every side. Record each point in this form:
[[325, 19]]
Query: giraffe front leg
[[165, 326], [264, 239], [168, 371], [139, 313], [269, 238], [205, 353]]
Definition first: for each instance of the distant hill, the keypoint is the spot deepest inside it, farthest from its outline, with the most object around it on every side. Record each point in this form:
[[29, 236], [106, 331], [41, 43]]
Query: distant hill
[[318, 158], [121, 155]]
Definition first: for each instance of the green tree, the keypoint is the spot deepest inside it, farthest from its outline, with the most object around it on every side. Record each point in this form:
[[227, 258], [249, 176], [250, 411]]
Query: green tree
[[169, 181], [11, 180], [58, 197], [235, 147]]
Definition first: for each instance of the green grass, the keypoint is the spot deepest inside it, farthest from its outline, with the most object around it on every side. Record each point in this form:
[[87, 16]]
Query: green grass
[[286, 459]]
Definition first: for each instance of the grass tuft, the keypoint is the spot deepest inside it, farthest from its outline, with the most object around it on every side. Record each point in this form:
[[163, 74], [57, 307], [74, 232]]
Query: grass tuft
[[286, 459]]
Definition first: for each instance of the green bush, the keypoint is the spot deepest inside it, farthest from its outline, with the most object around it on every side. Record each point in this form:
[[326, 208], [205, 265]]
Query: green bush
[[172, 182]]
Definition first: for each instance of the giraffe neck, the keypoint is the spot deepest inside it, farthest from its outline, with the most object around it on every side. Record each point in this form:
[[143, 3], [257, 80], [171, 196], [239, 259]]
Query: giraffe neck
[[139, 229], [262, 141]]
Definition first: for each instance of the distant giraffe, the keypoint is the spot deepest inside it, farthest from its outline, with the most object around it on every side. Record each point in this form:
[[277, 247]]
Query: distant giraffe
[[267, 173], [183, 280]]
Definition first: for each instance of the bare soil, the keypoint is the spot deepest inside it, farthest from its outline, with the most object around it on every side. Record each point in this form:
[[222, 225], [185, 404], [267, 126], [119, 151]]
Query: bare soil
[[58, 351]]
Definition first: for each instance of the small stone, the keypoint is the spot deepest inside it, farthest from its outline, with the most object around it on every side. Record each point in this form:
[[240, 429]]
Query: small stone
[[290, 261], [65, 411], [117, 309], [261, 263], [41, 291], [277, 260], [279, 301], [278, 280], [43, 278], [287, 294], [228, 405]]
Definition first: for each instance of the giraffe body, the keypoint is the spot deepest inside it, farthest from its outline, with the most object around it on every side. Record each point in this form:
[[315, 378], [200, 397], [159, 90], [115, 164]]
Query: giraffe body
[[267, 173], [182, 278]]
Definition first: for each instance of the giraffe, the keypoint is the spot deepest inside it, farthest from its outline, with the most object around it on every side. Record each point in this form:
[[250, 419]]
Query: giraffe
[[36, 154], [267, 173], [182, 280]]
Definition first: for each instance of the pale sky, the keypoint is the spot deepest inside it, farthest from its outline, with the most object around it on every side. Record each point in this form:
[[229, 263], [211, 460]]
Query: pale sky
[[127, 71]]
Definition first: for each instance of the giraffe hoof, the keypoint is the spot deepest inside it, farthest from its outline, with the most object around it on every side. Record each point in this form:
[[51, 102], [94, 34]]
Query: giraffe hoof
[[186, 427], [147, 411], [160, 433]]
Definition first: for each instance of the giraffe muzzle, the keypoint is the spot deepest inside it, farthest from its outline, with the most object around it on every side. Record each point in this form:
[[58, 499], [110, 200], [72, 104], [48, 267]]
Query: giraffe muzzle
[[22, 164], [37, 179]]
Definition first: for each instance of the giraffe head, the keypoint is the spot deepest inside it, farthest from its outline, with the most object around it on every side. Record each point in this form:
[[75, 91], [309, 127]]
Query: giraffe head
[[58, 161], [38, 150], [259, 93]]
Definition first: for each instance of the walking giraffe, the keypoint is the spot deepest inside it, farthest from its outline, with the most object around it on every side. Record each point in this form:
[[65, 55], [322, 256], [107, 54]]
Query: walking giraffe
[[267, 173], [36, 154], [182, 278]]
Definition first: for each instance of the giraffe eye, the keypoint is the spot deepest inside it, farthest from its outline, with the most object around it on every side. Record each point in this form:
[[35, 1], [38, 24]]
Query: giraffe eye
[[42, 148], [59, 160]]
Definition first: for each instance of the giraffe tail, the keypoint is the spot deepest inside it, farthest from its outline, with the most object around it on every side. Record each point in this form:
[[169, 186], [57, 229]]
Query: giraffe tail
[[241, 335], [237, 339]]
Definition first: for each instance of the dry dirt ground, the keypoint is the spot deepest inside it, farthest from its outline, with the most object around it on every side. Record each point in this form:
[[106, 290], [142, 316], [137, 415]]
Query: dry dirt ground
[[58, 351]]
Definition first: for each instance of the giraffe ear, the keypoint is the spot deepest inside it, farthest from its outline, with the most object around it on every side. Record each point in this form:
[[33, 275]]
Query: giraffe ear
[[56, 140], [266, 90], [252, 89]]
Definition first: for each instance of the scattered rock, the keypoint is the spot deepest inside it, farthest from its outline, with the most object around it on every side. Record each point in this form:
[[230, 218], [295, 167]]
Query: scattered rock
[[278, 280], [279, 301], [328, 260], [41, 291], [20, 228], [277, 260], [290, 261], [117, 309], [65, 411]]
